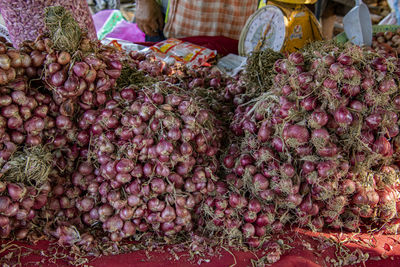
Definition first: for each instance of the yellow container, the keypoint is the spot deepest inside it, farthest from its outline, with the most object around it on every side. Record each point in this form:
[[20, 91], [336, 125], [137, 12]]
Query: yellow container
[[299, 23], [297, 2], [301, 26], [301, 2]]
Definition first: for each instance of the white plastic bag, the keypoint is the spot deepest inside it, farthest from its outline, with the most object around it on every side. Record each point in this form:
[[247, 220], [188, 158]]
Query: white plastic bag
[[393, 17], [389, 20], [231, 64]]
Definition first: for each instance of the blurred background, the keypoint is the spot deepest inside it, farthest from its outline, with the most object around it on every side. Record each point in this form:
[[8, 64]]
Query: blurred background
[[329, 12]]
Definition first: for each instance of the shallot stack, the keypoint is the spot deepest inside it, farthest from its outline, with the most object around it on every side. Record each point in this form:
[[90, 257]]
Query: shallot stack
[[156, 155], [84, 77], [29, 145], [39, 105], [19, 205], [320, 150]]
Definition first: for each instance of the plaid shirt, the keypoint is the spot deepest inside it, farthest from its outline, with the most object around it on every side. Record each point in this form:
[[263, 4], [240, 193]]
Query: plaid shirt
[[208, 17]]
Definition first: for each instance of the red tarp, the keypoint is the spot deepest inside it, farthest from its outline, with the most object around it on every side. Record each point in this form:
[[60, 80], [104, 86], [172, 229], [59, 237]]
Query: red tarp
[[306, 252]]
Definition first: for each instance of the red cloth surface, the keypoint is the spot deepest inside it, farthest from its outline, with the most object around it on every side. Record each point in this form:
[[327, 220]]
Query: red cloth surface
[[306, 252], [223, 45]]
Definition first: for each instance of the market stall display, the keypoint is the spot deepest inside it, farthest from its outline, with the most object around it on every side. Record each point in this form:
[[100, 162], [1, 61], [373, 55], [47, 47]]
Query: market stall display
[[105, 151]]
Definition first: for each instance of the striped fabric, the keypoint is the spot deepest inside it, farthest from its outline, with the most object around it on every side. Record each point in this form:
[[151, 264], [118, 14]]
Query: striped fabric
[[208, 17]]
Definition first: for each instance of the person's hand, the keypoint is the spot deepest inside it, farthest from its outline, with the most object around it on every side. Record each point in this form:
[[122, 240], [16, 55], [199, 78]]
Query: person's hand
[[149, 18]]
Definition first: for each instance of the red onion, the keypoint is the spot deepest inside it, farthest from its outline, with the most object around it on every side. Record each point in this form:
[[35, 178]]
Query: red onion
[[277, 227], [260, 182], [382, 146], [11, 210], [264, 133], [277, 143], [124, 166], [345, 59], [58, 78], [373, 121], [4, 221], [63, 122], [248, 230], [4, 203], [367, 83], [168, 214], [155, 205], [105, 211], [85, 205], [80, 69], [329, 150], [297, 132], [287, 170], [350, 90], [343, 116], [246, 160], [14, 122], [158, 185], [249, 216], [357, 105], [113, 224], [40, 201], [9, 111], [126, 213], [19, 98], [295, 199], [5, 100], [330, 84], [234, 200], [309, 103], [15, 191], [63, 58], [336, 68], [296, 58], [286, 89], [387, 85], [320, 135], [129, 228], [164, 148], [254, 206]]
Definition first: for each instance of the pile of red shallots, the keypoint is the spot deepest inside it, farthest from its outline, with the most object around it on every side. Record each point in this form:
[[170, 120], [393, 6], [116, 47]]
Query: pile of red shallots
[[190, 79], [204, 82], [19, 204], [114, 162], [96, 146], [24, 121], [153, 162], [319, 150], [84, 78], [23, 191], [38, 128]]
